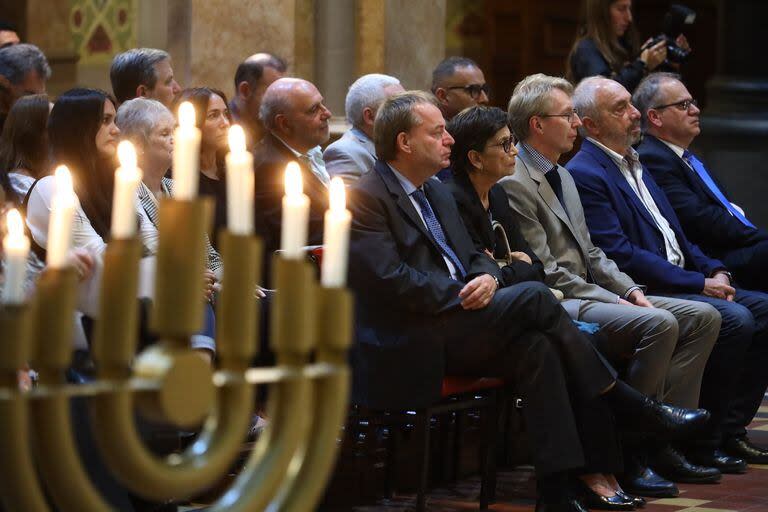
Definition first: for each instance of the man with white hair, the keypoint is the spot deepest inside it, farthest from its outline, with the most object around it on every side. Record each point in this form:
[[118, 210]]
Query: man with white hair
[[296, 118], [354, 153], [25, 70]]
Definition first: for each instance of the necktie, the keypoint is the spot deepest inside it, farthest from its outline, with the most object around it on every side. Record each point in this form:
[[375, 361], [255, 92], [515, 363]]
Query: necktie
[[553, 178], [316, 169], [698, 167], [436, 230]]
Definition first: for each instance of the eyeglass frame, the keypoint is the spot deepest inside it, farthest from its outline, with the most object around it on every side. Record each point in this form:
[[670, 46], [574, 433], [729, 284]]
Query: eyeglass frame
[[680, 105], [568, 117], [481, 88], [508, 142]]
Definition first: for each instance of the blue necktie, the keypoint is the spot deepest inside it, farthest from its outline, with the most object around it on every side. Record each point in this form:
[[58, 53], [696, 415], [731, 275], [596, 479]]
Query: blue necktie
[[434, 227], [697, 166]]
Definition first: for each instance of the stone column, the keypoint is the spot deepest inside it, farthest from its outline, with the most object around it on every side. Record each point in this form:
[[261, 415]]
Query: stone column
[[734, 126]]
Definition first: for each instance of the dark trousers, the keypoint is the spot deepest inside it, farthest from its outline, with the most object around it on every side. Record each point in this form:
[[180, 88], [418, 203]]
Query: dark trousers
[[735, 378], [748, 265], [524, 336]]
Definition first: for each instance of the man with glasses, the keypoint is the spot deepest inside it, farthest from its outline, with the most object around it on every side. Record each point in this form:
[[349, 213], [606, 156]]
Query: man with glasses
[[663, 342], [458, 83], [631, 220], [670, 119]]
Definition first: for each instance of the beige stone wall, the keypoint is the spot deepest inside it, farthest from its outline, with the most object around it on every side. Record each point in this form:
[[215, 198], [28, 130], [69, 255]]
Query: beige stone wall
[[224, 32]]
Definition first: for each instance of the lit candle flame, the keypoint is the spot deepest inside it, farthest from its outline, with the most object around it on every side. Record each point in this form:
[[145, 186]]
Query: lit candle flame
[[65, 194], [127, 156], [186, 115], [293, 184], [15, 224], [236, 139], [338, 195]]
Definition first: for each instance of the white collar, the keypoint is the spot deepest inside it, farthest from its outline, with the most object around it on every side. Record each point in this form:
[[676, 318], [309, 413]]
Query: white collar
[[674, 147]]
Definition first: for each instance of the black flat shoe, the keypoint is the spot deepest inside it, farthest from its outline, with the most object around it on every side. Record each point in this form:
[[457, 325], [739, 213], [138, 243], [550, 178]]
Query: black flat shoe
[[743, 448], [718, 459], [572, 505], [673, 465], [647, 483], [616, 502], [636, 500]]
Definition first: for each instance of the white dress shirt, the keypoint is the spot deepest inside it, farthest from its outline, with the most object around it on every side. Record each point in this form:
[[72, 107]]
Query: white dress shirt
[[315, 159], [632, 171]]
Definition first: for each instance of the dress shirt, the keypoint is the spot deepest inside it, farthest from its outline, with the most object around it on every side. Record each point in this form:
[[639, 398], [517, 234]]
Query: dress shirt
[[632, 171], [410, 188], [314, 157]]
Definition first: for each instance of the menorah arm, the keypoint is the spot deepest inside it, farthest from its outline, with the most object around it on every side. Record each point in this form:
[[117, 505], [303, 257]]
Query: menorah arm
[[177, 476], [19, 486]]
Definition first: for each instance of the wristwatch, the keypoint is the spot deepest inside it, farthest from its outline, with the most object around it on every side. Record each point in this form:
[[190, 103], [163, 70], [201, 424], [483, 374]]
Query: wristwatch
[[728, 274]]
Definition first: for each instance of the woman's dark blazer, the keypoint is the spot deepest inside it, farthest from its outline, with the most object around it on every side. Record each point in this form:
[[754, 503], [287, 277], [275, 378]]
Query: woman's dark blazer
[[588, 61], [478, 224]]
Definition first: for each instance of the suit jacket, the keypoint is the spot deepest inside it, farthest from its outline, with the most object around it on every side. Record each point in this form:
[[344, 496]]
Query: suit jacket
[[351, 156], [561, 240], [270, 158], [402, 287], [705, 220], [478, 224], [624, 228]]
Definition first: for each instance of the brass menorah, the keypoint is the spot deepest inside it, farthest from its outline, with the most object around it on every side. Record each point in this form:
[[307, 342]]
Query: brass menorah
[[291, 461]]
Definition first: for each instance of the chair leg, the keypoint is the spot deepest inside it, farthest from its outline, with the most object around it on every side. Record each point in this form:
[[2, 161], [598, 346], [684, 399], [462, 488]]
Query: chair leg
[[457, 437], [487, 467], [421, 498], [395, 433]]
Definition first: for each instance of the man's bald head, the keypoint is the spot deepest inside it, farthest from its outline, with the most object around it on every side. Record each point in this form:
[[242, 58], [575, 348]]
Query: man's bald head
[[293, 110]]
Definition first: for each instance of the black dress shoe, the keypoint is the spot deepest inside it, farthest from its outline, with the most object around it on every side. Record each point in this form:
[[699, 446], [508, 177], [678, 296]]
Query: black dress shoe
[[653, 417], [636, 500], [673, 465], [718, 459], [616, 502], [648, 483], [741, 447], [572, 505]]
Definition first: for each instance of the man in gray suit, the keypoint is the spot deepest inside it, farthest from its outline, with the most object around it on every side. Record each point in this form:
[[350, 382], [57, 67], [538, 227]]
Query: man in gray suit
[[665, 342], [353, 154]]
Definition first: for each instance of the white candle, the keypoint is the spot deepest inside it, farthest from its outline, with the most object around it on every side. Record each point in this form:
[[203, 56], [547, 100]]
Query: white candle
[[336, 237], [15, 252], [60, 225], [295, 214], [127, 179], [186, 154], [240, 185]]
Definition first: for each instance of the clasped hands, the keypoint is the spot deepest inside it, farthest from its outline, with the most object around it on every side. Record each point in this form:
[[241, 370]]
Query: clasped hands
[[478, 293]]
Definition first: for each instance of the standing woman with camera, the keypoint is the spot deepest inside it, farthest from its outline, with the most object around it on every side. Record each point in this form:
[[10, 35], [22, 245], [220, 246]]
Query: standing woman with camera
[[608, 45]]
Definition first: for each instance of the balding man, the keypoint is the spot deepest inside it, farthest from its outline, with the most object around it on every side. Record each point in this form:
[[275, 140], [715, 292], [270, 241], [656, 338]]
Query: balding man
[[631, 220], [252, 78], [354, 153], [297, 122], [143, 73], [458, 83]]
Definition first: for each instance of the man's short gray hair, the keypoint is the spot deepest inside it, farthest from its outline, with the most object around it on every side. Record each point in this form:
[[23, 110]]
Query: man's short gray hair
[[133, 68], [531, 98], [649, 94], [396, 116], [16, 61], [585, 99], [366, 92], [273, 102], [138, 116]]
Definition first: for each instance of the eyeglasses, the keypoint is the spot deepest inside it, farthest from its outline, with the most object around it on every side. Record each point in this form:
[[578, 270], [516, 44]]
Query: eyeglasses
[[568, 117], [680, 105], [506, 144], [474, 90]]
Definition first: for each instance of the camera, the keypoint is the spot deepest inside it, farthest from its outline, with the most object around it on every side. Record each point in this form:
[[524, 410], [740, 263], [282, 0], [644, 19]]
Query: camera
[[672, 25]]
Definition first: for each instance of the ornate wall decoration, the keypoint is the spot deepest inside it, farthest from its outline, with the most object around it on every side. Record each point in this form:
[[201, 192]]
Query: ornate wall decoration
[[102, 28]]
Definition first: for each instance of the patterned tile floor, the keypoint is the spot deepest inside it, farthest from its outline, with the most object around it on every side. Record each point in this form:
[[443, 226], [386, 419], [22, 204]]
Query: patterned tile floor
[[748, 492]]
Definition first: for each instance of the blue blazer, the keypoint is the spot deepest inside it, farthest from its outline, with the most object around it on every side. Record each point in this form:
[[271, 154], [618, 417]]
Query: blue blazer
[[624, 229], [705, 221]]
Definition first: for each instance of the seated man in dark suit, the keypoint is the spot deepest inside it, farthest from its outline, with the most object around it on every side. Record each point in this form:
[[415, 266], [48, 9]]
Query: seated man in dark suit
[[631, 220], [293, 111], [670, 119], [430, 304]]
